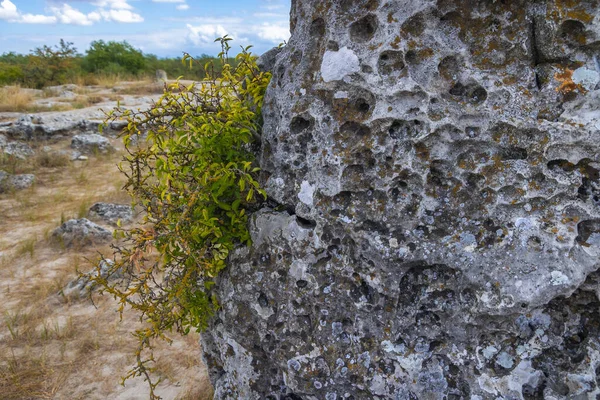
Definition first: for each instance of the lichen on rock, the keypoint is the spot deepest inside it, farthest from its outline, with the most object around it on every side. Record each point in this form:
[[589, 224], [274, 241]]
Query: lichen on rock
[[437, 169]]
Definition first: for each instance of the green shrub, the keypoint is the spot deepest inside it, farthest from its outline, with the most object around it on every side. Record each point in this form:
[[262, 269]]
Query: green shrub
[[113, 58], [196, 178]]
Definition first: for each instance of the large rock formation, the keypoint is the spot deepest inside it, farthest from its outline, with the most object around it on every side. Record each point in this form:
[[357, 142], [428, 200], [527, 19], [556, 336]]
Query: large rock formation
[[435, 226]]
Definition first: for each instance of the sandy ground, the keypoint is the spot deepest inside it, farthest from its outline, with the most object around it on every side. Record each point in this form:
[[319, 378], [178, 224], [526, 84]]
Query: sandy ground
[[58, 347]]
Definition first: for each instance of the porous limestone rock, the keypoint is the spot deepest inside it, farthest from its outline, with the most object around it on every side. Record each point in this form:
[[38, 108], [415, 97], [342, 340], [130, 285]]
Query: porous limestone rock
[[81, 232], [434, 225], [112, 213], [18, 150], [56, 125], [10, 182], [91, 143], [161, 75], [82, 285]]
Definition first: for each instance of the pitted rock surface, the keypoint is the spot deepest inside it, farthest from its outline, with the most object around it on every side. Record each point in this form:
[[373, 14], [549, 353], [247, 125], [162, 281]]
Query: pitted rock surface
[[435, 173], [91, 143], [112, 213], [81, 232]]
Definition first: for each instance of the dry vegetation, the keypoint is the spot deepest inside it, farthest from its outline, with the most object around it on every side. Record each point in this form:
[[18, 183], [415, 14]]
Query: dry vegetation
[[107, 88], [57, 347], [13, 98]]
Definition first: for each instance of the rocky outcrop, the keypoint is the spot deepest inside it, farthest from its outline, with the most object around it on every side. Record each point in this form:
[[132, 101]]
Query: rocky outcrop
[[434, 231], [17, 149], [91, 143], [82, 286], [57, 125], [81, 232], [10, 182], [111, 213]]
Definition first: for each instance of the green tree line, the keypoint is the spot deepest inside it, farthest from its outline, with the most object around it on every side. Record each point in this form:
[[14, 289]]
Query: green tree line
[[62, 63]]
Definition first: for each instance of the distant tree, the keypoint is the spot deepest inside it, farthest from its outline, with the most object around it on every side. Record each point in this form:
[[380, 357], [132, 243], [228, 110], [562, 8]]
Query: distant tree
[[114, 57], [50, 65]]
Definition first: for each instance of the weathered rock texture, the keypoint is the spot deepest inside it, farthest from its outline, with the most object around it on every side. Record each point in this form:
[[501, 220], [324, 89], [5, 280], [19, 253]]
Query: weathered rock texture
[[437, 169], [81, 232]]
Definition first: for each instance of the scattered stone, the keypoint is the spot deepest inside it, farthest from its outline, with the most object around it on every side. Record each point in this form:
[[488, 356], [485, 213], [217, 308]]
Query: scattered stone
[[15, 182], [21, 181], [17, 149], [112, 213], [91, 143], [161, 76], [3, 141], [81, 232], [82, 285]]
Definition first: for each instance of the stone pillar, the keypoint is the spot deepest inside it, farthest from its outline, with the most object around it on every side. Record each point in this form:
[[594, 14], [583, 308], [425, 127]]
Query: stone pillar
[[434, 225]]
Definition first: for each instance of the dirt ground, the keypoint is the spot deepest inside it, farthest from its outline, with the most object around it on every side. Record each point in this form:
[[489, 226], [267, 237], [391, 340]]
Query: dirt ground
[[54, 346]]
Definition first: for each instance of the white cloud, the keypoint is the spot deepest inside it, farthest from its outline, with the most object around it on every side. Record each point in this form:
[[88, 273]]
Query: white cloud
[[275, 33], [118, 11], [182, 7], [37, 19], [71, 16], [8, 11], [168, 1], [206, 33], [124, 16], [113, 4]]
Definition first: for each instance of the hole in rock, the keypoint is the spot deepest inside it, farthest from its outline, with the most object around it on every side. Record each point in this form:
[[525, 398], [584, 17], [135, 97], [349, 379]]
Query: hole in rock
[[301, 283], [513, 153], [449, 68], [573, 32], [262, 300], [587, 228], [364, 29], [317, 28], [390, 61], [305, 223], [560, 164], [299, 124], [478, 95], [362, 106]]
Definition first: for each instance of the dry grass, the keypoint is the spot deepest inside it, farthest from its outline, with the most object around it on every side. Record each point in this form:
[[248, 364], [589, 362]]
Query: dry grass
[[53, 346], [86, 101], [15, 99], [142, 88]]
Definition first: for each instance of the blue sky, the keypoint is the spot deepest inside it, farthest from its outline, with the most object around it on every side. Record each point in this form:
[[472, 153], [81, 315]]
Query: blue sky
[[161, 27]]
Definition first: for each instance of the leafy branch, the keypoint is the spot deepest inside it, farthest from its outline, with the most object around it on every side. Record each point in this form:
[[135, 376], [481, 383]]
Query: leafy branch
[[189, 165]]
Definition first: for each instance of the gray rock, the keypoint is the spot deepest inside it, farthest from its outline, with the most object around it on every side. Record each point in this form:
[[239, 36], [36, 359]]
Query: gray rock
[[53, 125], [10, 182], [161, 76], [3, 141], [91, 143], [445, 191], [21, 181], [3, 176], [82, 285], [17, 149], [112, 213], [266, 62], [81, 232]]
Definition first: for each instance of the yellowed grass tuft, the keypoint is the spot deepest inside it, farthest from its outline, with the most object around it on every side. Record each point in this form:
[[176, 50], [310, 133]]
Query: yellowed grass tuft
[[15, 99]]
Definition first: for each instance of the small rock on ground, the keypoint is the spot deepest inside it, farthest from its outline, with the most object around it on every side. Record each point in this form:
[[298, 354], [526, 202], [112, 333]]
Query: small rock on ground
[[81, 232], [82, 285], [15, 182], [17, 150], [111, 213], [91, 143]]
